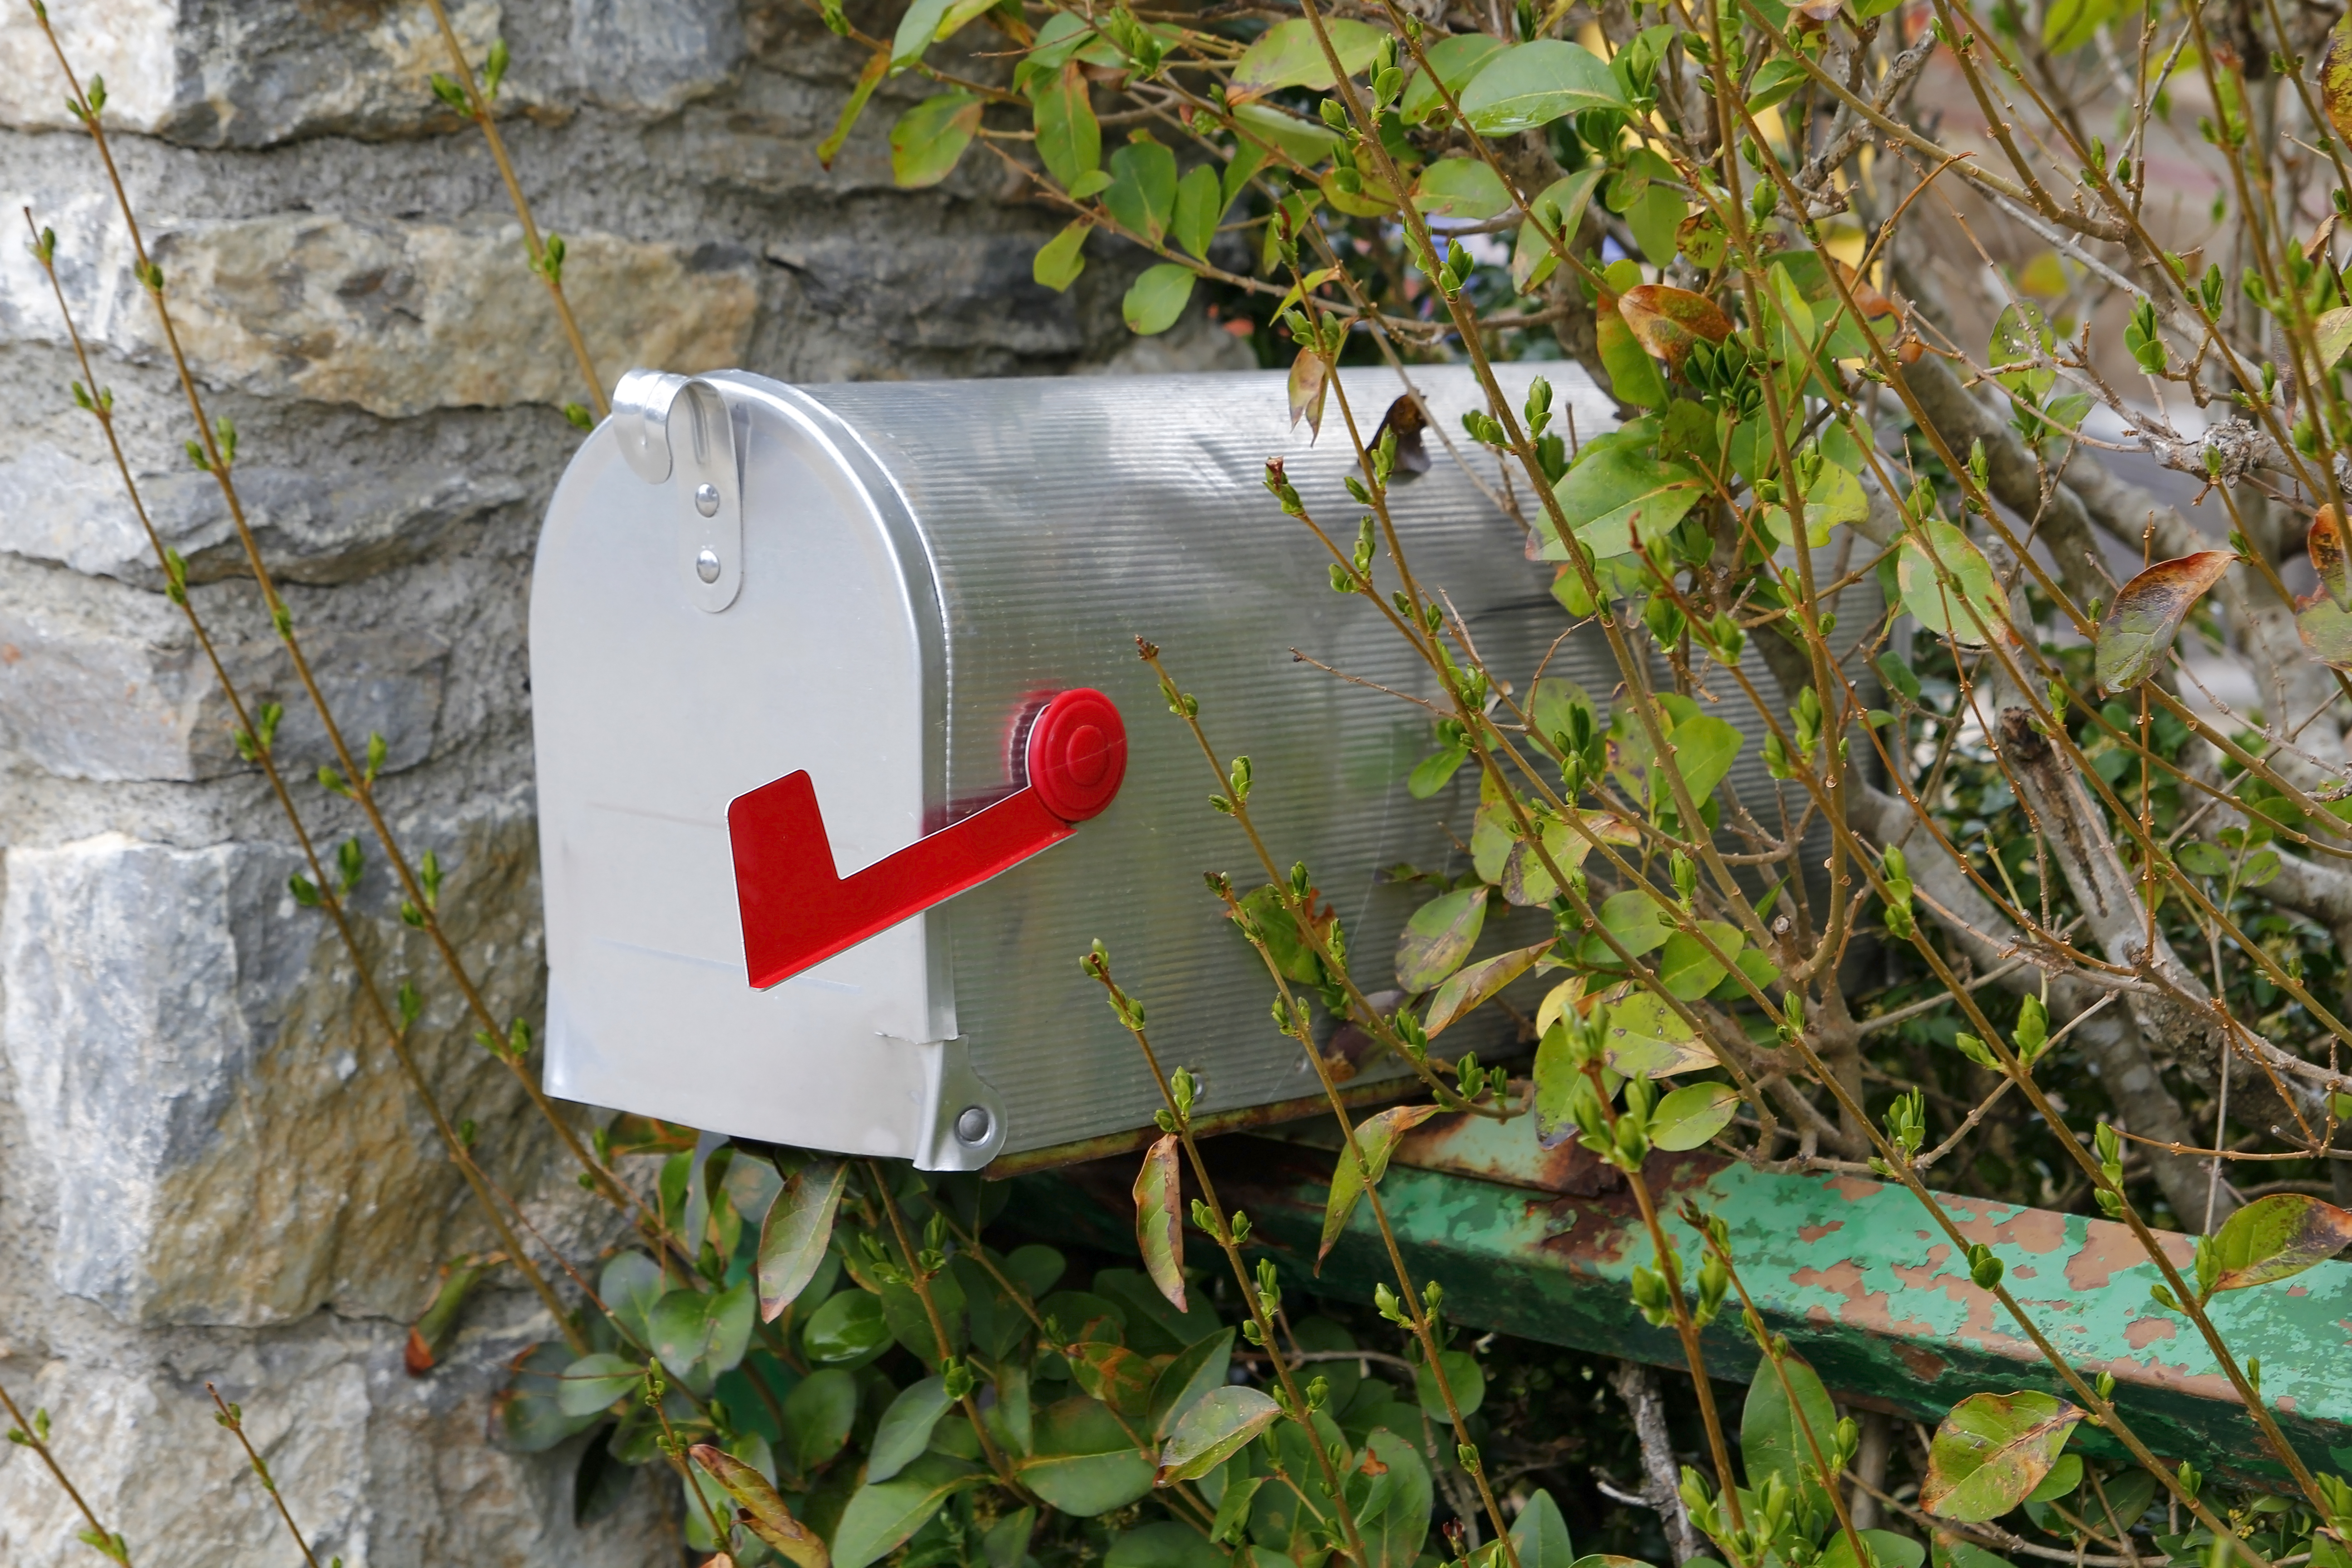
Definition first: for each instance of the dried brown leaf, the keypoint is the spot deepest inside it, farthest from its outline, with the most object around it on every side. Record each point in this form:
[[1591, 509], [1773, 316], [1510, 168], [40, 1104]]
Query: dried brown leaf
[[2147, 613], [1667, 322], [1159, 1226]]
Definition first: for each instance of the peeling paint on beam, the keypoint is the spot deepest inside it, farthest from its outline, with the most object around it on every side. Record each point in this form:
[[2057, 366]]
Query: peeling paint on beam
[[1542, 1244]]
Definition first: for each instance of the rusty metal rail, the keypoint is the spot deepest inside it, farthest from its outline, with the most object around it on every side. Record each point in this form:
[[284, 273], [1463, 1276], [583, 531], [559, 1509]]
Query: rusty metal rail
[[1543, 1243]]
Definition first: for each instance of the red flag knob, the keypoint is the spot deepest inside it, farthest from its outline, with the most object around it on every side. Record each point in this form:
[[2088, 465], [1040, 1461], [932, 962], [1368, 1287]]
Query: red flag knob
[[798, 909], [1077, 754]]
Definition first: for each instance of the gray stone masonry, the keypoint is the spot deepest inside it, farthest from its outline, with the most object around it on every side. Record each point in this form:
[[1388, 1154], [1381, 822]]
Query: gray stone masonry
[[209, 1169]]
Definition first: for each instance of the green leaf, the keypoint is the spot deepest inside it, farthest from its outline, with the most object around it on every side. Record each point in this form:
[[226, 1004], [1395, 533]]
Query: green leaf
[[818, 1415], [1156, 299], [1439, 937], [882, 1515], [1083, 1461], [1540, 1534], [1429, 775], [2070, 24], [1891, 1549], [1315, 1334], [1080, 1312], [793, 1236], [1646, 1039], [1490, 839], [929, 139], [1687, 970], [1463, 1375], [1638, 922], [1836, 496], [2333, 331], [1951, 1552], [1705, 748], [2137, 632], [1461, 188], [699, 1336], [1688, 1117], [1560, 209], [1289, 55], [1898, 676], [2326, 628], [1142, 191], [1992, 1451], [2064, 1477], [910, 1321], [1061, 258], [1200, 203], [1774, 80], [1163, 1544], [1234, 1507], [1525, 881], [594, 1381], [1534, 84], [917, 29], [1197, 1369], [2204, 859], [2273, 1238], [631, 1284], [1967, 606], [1770, 1440], [1556, 1076], [1395, 1516], [850, 1327], [905, 1427], [1376, 1137], [1619, 493], [1069, 139], [1656, 220], [1457, 59], [1212, 1431], [877, 66], [1468, 988], [1303, 140], [1160, 1218], [529, 1410]]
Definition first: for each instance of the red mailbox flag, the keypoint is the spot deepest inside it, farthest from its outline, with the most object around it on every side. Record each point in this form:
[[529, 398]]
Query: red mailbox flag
[[798, 911]]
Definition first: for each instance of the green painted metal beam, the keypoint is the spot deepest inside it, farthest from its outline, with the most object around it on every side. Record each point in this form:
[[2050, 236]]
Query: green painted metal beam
[[1542, 1244]]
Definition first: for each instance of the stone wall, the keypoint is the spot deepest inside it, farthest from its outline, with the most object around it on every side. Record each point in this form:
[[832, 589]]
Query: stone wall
[[209, 1170]]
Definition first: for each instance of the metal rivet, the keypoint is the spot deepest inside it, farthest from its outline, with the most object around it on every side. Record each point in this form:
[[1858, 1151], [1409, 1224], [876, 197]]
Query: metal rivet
[[973, 1124], [706, 564], [706, 502]]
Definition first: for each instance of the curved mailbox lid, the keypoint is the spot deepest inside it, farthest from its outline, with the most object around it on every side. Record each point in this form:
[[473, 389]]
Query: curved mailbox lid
[[652, 713]]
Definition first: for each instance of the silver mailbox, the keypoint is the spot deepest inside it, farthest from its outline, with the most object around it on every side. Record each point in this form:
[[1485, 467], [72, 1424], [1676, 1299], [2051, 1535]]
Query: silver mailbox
[[880, 587]]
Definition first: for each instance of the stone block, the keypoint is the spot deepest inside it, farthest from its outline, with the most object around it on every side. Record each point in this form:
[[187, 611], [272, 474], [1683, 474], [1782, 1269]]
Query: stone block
[[240, 73], [251, 73], [89, 692], [397, 318], [230, 1139], [377, 1469], [654, 56], [336, 520], [935, 293]]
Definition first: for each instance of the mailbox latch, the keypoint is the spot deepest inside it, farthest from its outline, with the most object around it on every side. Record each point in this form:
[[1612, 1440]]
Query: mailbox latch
[[677, 432]]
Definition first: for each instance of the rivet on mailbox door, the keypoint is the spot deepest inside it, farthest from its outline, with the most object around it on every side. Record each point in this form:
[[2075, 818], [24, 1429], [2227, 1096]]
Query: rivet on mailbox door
[[706, 458]]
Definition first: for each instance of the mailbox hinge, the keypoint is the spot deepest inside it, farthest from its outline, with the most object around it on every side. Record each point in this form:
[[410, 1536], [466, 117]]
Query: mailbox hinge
[[963, 1117], [677, 432]]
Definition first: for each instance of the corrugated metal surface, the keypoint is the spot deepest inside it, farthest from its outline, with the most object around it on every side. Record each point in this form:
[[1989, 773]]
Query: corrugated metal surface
[[1065, 518]]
